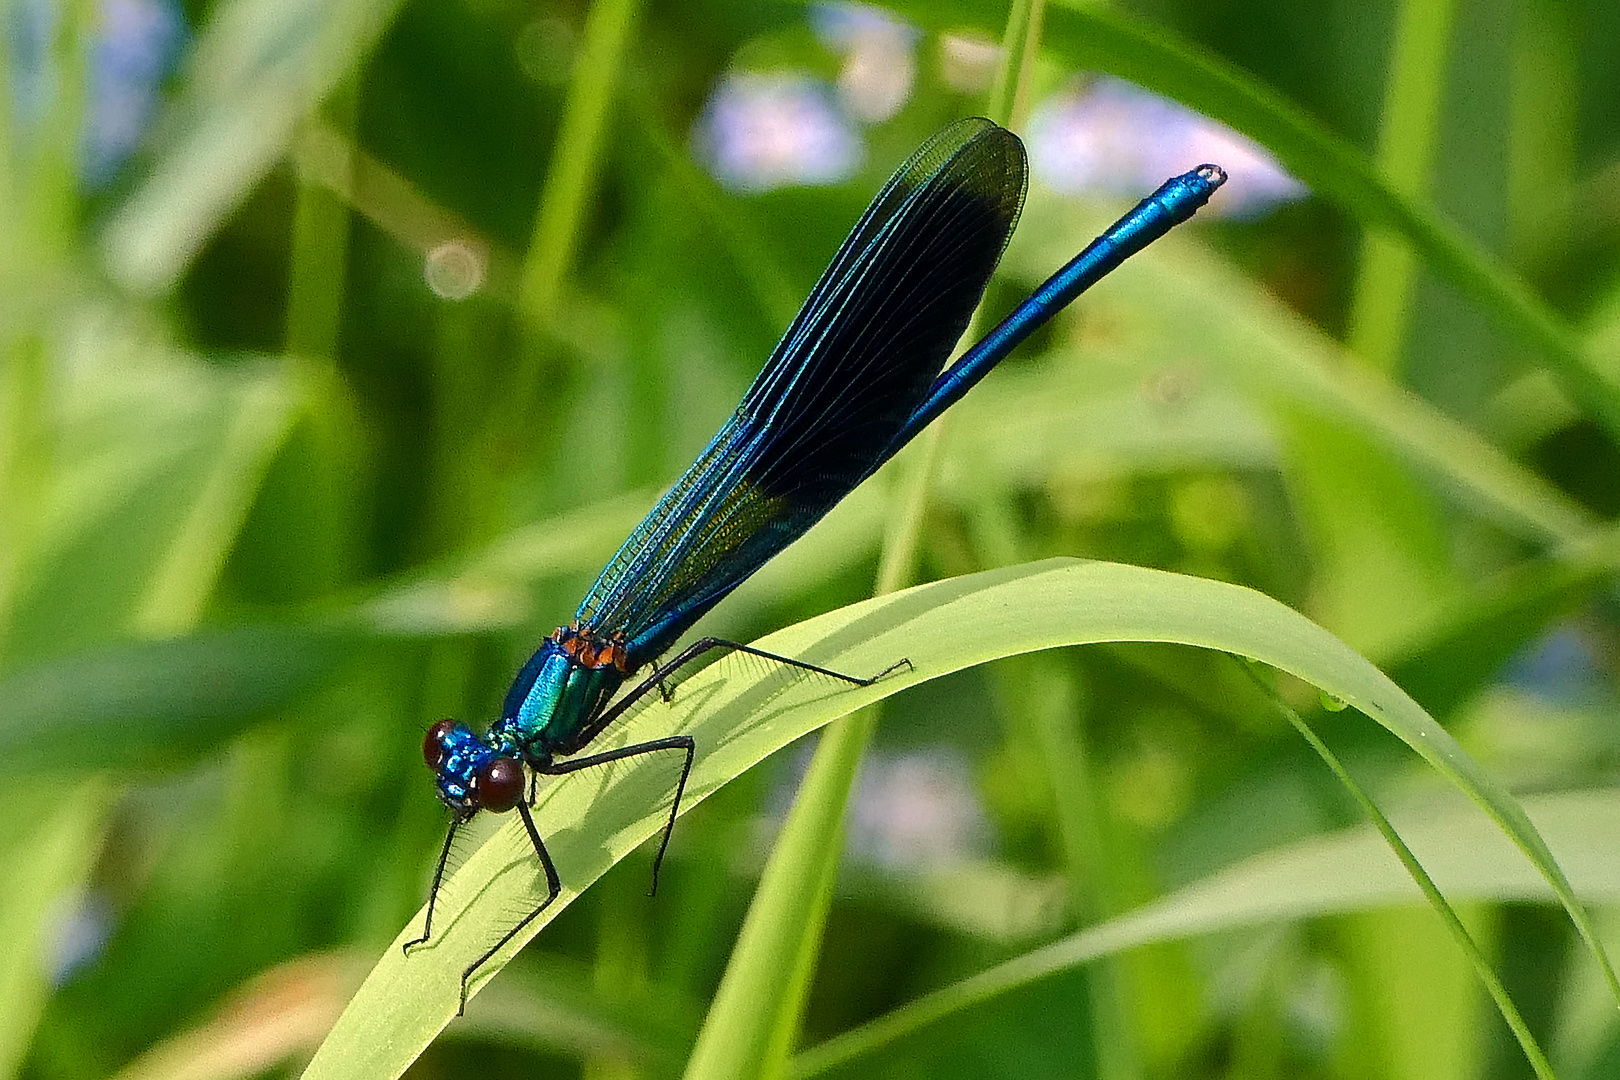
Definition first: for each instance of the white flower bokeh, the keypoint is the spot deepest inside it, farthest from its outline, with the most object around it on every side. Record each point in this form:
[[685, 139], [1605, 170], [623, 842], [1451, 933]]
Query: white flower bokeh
[[762, 131], [1115, 138]]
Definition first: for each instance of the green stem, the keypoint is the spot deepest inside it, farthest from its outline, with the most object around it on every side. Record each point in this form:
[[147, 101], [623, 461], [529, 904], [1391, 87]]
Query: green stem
[[329, 430], [1052, 703], [1043, 705], [1009, 96], [513, 422], [320, 236], [52, 198], [754, 1021], [1407, 140], [25, 460], [1542, 129], [574, 158], [10, 192], [754, 1018]]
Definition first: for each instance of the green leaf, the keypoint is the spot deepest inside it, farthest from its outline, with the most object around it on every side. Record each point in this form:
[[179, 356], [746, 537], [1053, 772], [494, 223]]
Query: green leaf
[[145, 703], [740, 710], [161, 456]]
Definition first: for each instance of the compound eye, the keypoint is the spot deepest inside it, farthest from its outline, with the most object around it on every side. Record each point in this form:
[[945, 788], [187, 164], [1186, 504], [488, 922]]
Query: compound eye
[[500, 784], [433, 748]]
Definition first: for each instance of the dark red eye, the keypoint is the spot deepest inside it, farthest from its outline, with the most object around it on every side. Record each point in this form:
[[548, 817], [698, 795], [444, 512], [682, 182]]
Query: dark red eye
[[433, 742], [500, 784]]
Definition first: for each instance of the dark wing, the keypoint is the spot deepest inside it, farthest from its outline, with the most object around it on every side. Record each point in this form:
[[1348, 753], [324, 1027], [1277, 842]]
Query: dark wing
[[857, 360]]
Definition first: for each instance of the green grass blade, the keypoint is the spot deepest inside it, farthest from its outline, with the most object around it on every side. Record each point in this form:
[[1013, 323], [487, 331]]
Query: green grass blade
[[1431, 894], [260, 67], [739, 711], [1342, 872], [754, 1021], [1406, 145], [565, 198], [48, 857], [755, 1015], [574, 158], [1377, 534], [182, 582]]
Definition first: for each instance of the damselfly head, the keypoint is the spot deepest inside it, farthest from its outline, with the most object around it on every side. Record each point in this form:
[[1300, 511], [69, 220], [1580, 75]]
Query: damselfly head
[[471, 776]]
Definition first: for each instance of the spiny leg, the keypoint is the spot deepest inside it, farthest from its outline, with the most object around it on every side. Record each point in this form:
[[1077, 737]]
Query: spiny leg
[[673, 742], [553, 888], [679, 742], [708, 644], [433, 890], [692, 652]]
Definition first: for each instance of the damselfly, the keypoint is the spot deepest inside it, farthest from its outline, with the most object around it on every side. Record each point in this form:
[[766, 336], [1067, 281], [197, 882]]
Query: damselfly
[[855, 377]]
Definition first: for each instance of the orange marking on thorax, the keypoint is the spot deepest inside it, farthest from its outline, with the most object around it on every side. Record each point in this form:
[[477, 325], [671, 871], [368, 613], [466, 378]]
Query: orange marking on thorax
[[591, 652]]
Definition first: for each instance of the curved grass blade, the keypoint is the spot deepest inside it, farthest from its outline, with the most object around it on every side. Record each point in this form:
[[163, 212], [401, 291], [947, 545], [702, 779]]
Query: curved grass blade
[[1343, 872], [740, 711], [1437, 901]]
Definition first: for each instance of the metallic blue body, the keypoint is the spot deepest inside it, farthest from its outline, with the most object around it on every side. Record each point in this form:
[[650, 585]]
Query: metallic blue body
[[546, 710], [549, 701], [855, 377], [1175, 202]]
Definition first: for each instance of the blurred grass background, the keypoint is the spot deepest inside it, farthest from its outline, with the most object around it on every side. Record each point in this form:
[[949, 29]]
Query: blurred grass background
[[341, 343]]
